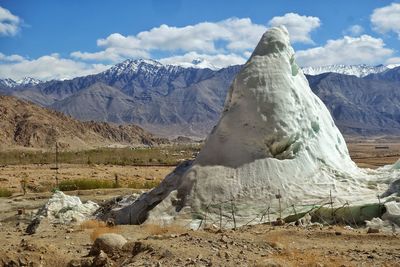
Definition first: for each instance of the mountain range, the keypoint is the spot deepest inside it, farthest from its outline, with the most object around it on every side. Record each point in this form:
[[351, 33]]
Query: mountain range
[[177, 100]]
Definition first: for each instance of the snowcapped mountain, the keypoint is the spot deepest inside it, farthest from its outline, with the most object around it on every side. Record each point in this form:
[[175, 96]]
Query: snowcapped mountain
[[197, 64], [7, 82], [356, 70], [392, 66], [152, 67], [184, 100], [27, 81]]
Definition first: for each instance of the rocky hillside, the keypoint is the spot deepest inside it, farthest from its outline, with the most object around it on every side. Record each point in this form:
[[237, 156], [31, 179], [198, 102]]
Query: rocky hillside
[[25, 125], [360, 105]]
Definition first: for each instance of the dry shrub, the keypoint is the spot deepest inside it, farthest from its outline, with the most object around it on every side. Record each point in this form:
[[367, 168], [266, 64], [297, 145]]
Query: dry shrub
[[104, 230], [155, 229], [92, 224], [99, 228]]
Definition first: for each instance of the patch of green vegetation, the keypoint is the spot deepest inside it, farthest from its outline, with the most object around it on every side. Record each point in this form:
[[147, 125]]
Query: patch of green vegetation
[[85, 184], [4, 192], [143, 185], [163, 156]]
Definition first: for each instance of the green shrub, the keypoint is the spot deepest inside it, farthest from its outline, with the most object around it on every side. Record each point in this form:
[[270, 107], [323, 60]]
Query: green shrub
[[143, 185], [4, 192], [85, 184]]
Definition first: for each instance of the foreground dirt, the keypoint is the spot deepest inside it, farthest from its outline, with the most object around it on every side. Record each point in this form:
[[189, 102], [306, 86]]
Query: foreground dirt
[[150, 245], [261, 245]]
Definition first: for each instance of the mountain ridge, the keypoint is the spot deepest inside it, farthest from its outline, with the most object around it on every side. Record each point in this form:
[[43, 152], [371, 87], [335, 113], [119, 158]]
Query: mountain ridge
[[172, 101]]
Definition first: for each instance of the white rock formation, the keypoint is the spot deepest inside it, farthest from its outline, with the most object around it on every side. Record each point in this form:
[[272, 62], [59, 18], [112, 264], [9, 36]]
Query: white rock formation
[[61, 208], [274, 136]]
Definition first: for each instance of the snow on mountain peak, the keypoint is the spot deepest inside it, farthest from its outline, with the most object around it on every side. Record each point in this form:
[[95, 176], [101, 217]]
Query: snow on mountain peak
[[197, 63], [392, 66], [27, 81], [360, 70], [131, 66]]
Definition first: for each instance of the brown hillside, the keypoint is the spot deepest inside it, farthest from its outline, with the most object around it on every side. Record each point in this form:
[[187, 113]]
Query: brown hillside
[[25, 125]]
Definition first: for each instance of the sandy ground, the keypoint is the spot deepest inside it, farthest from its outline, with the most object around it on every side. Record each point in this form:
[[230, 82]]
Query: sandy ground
[[261, 245], [374, 155]]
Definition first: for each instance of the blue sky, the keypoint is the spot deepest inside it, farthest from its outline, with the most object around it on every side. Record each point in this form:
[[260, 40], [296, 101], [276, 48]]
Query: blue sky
[[63, 39]]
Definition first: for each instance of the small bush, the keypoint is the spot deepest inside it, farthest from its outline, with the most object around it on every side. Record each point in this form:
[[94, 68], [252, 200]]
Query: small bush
[[85, 184], [4, 192]]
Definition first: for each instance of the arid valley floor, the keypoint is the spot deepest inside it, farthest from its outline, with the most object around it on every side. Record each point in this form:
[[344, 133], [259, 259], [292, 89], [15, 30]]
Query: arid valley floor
[[151, 245]]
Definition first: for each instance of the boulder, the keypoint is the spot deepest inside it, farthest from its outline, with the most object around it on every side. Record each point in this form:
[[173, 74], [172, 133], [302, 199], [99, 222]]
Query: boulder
[[109, 243]]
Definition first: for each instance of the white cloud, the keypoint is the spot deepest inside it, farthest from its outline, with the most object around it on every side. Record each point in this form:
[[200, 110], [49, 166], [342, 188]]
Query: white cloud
[[354, 30], [221, 37], [217, 61], [10, 58], [299, 27], [9, 23], [228, 39], [393, 60], [348, 50], [47, 67], [386, 19]]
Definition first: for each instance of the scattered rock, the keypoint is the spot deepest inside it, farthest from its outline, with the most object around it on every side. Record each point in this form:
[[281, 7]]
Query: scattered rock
[[227, 255], [74, 263], [139, 247], [22, 261], [278, 222], [108, 243], [224, 239], [338, 233], [372, 230], [269, 263], [102, 260], [32, 227], [277, 245]]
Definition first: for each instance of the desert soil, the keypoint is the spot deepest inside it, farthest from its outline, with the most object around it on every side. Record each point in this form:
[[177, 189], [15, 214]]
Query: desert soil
[[260, 245]]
